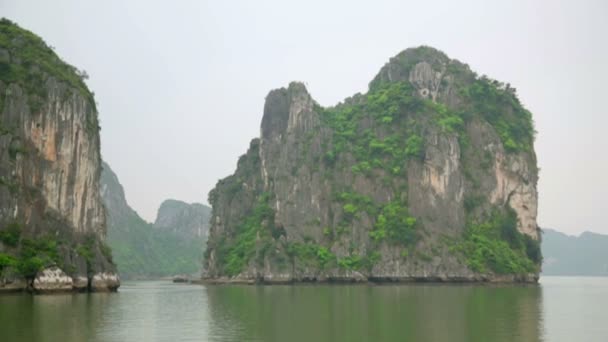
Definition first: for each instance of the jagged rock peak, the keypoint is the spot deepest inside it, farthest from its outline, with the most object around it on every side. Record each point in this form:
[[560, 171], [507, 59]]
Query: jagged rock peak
[[183, 218], [430, 71], [287, 109], [113, 194], [430, 175]]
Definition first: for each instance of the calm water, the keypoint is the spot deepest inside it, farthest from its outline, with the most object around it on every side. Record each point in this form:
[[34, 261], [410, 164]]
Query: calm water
[[561, 309]]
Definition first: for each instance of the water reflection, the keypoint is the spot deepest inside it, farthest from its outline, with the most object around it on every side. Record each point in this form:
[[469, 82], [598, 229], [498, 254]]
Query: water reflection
[[375, 313], [561, 309], [155, 311], [64, 317], [143, 311], [161, 311]]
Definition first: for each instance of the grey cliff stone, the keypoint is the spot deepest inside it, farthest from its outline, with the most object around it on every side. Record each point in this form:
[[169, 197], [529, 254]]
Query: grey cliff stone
[[52, 279], [292, 169], [49, 169], [188, 220]]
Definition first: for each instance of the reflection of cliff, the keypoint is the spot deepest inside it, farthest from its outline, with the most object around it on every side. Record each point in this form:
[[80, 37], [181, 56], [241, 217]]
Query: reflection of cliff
[[381, 313], [63, 318]]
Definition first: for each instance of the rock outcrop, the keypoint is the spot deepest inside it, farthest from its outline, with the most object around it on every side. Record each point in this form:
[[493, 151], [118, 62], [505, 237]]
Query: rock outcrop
[[52, 220], [187, 220], [429, 176], [52, 279]]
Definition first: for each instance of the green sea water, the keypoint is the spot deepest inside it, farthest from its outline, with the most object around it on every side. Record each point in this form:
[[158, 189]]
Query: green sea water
[[559, 309]]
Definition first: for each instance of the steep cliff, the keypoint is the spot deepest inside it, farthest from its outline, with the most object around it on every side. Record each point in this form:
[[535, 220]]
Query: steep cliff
[[52, 220], [431, 175], [187, 220], [141, 249]]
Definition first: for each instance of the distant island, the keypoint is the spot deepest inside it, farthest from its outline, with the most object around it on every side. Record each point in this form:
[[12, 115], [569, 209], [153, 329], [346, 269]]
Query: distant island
[[583, 255], [172, 245]]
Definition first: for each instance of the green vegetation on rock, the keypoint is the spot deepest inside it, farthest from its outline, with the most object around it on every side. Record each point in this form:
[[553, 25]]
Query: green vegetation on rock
[[395, 224], [36, 61], [381, 179], [499, 105], [353, 124], [260, 223], [6, 261], [311, 254], [28, 255], [86, 250], [496, 245], [36, 254], [10, 235]]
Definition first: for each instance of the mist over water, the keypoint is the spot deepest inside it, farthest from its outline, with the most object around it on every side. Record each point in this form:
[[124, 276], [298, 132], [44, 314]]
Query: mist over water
[[560, 309]]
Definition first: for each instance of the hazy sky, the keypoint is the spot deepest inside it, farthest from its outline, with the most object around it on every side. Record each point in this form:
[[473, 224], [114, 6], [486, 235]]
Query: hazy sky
[[181, 84]]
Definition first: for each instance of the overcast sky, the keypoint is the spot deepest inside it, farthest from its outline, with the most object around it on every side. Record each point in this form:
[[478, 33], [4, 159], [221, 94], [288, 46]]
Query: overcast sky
[[181, 84]]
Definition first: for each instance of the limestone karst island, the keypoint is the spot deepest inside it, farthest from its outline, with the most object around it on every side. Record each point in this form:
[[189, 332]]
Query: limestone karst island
[[429, 176]]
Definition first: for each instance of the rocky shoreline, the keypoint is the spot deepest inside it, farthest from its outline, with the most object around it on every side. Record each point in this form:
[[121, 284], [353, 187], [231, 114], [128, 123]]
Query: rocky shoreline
[[530, 279], [54, 280]]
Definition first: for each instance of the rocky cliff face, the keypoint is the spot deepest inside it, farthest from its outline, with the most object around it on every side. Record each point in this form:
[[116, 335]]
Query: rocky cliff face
[[114, 199], [51, 214], [188, 220], [431, 175]]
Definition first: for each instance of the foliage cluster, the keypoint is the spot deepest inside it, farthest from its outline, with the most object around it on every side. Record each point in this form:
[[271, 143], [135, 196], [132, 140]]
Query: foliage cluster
[[11, 234], [311, 253], [36, 59], [356, 124], [86, 250], [352, 262], [353, 204], [496, 245], [314, 255], [33, 253], [234, 254], [392, 220], [6, 261], [395, 224], [498, 104]]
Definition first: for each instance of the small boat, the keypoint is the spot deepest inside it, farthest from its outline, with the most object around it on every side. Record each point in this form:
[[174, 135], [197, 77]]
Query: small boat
[[181, 279]]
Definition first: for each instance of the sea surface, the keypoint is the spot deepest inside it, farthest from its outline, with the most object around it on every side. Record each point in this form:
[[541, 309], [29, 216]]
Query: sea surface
[[559, 309]]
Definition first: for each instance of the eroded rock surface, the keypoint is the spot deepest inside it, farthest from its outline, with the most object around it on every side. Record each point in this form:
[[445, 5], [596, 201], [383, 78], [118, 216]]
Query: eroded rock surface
[[51, 213], [105, 282], [52, 279], [429, 176]]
